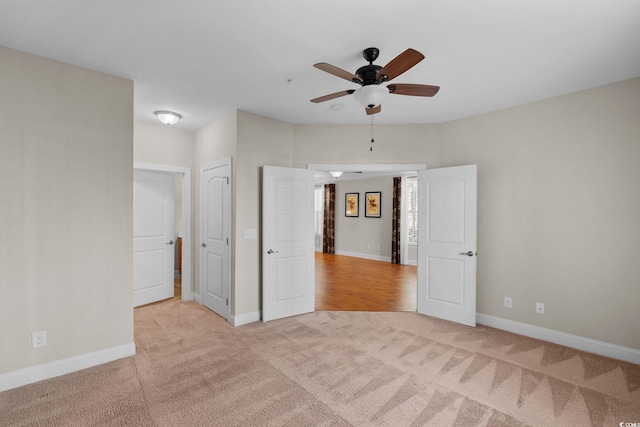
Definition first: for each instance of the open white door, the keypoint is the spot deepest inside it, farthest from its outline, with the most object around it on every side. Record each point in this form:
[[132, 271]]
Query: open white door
[[153, 234], [447, 243], [215, 227], [288, 277]]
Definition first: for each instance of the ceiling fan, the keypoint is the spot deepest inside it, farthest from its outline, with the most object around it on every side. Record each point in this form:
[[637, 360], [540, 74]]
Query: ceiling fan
[[371, 77]]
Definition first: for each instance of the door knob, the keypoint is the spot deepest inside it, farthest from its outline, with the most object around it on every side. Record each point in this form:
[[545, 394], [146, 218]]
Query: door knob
[[204, 245], [469, 253], [271, 251], [170, 242]]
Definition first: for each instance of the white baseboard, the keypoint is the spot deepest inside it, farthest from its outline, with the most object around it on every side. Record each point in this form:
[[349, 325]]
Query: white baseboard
[[243, 319], [197, 298], [574, 341], [64, 366], [365, 256]]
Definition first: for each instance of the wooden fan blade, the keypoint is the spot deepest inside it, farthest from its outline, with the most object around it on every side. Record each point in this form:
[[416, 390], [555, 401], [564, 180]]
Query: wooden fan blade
[[339, 72], [333, 96], [413, 90], [373, 110], [400, 64]]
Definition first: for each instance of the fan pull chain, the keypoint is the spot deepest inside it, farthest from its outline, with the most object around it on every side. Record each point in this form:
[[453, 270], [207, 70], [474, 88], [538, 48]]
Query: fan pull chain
[[372, 140]]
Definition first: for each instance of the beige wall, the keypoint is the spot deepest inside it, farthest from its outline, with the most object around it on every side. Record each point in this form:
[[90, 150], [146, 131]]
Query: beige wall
[[163, 145], [394, 144], [66, 142], [363, 235], [559, 210], [261, 141]]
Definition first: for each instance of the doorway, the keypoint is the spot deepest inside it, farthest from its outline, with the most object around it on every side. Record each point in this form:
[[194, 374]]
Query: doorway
[[184, 210], [446, 285], [360, 276]]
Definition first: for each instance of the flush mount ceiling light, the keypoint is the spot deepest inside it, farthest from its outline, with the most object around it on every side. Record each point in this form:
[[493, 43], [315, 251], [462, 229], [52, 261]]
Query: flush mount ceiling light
[[336, 174], [168, 117]]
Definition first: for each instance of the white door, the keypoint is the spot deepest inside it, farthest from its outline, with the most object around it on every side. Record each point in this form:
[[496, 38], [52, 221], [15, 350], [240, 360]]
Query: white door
[[288, 277], [153, 234], [215, 246], [447, 243]]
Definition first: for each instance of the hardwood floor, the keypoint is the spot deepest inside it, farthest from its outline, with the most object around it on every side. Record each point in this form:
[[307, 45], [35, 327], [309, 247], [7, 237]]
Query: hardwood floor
[[177, 287], [346, 283]]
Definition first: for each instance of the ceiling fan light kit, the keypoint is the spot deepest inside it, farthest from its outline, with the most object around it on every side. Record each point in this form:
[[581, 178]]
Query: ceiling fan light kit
[[168, 117], [370, 78], [370, 96]]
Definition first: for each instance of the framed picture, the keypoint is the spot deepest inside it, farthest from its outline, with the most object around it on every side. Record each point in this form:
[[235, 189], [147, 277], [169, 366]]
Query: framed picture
[[372, 209], [351, 202]]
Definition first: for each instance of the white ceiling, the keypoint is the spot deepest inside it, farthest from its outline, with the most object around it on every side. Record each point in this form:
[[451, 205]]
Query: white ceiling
[[204, 58]]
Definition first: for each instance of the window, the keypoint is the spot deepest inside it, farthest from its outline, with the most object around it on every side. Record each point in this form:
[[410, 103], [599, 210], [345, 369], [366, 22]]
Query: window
[[412, 209], [318, 209]]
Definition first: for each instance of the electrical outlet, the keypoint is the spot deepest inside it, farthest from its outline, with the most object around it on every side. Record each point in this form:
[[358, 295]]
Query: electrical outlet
[[250, 233], [539, 308], [508, 302], [39, 339]]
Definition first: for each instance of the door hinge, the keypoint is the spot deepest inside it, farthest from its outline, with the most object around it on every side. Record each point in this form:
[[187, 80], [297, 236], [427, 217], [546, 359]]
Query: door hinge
[[227, 301], [227, 241], [227, 178]]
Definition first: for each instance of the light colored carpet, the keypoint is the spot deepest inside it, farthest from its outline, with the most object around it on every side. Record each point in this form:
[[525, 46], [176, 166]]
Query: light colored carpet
[[331, 369]]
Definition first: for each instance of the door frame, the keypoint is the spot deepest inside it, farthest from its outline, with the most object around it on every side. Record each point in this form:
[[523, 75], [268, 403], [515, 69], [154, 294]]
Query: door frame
[[369, 167], [187, 264]]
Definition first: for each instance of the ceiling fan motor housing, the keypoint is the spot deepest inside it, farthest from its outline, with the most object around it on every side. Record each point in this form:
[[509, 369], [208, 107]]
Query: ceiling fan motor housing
[[368, 72]]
